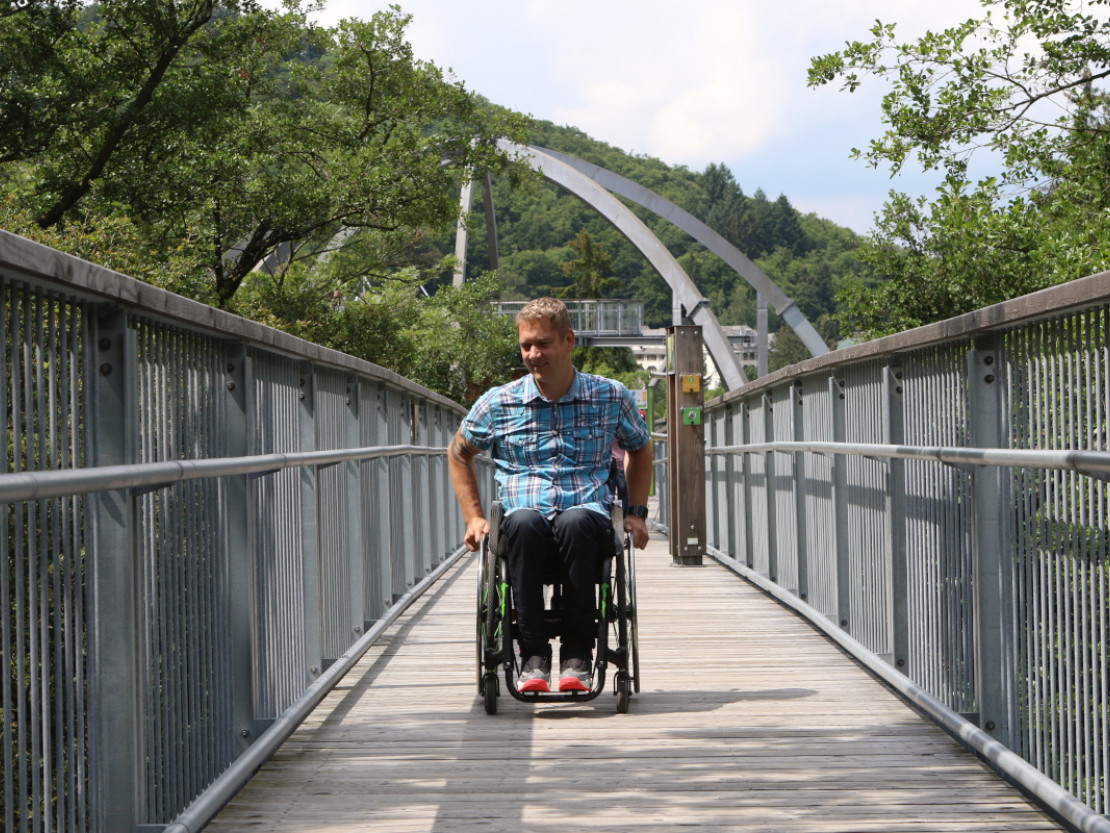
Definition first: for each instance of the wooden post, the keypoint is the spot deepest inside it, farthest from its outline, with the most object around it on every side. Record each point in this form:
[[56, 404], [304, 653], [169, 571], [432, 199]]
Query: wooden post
[[686, 444]]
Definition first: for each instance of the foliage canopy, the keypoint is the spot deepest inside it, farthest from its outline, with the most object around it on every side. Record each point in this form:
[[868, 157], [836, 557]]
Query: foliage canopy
[[1019, 91], [245, 157]]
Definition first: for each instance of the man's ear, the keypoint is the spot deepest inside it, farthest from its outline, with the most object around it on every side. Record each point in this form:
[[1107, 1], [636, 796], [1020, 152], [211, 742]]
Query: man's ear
[[570, 337]]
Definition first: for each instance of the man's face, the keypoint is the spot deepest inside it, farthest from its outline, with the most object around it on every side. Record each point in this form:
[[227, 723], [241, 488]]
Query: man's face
[[546, 354]]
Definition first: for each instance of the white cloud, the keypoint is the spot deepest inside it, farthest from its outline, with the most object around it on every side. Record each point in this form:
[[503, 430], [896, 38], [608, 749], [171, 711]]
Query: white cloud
[[688, 82]]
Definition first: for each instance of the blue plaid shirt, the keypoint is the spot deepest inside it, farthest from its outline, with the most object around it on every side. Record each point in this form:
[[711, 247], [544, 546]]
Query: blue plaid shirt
[[553, 456]]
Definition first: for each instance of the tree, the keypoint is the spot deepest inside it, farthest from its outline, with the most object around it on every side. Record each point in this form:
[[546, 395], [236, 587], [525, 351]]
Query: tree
[[104, 92], [452, 342], [612, 362], [788, 350], [591, 273], [1022, 83], [371, 140], [233, 133]]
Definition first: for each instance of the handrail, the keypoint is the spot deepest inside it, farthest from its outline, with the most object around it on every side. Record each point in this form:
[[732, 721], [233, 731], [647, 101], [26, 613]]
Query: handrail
[[940, 497], [1028, 777], [41, 485], [1085, 462], [202, 515]]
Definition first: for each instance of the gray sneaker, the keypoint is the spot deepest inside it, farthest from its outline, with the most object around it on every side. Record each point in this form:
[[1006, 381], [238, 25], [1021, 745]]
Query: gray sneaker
[[535, 676], [576, 675]]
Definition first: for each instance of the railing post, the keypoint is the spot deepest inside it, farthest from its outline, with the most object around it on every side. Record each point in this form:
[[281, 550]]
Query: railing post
[[356, 509], [800, 492], [401, 551], [746, 484], [437, 509], [115, 726], [422, 552], [310, 535], [239, 544], [992, 554], [732, 542], [712, 487], [894, 433], [840, 504], [686, 445], [771, 498], [380, 537]]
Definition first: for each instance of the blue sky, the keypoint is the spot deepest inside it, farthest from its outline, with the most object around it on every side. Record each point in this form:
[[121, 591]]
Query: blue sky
[[687, 82]]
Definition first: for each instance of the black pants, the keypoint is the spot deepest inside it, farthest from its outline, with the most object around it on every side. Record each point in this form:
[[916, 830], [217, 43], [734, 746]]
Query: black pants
[[568, 547]]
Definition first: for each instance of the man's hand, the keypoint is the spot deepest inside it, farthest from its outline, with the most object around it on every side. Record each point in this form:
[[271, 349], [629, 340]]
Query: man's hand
[[464, 476], [475, 529], [638, 528]]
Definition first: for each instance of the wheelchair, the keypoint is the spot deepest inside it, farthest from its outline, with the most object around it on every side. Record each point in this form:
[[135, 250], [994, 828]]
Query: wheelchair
[[497, 631]]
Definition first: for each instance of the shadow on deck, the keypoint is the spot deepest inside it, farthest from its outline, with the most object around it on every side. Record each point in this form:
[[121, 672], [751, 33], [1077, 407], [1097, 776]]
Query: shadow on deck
[[748, 720]]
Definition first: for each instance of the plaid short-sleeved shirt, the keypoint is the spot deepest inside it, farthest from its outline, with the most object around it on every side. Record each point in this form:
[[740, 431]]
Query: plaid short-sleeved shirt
[[553, 456]]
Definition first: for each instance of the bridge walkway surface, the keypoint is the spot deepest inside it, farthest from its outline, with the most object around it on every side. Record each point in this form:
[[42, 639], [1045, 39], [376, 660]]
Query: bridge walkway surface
[[748, 720]]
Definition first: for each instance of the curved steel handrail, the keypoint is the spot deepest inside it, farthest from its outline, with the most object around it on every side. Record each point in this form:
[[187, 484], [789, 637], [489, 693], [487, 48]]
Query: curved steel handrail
[[37, 485], [1095, 463]]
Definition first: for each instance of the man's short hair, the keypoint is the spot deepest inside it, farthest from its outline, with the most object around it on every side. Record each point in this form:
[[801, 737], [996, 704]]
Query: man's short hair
[[551, 310]]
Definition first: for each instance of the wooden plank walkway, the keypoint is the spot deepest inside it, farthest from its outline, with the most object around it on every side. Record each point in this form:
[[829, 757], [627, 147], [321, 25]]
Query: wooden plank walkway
[[749, 720]]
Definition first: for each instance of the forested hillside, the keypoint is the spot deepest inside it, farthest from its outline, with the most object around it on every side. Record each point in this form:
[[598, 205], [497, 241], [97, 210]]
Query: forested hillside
[[810, 258], [308, 177]]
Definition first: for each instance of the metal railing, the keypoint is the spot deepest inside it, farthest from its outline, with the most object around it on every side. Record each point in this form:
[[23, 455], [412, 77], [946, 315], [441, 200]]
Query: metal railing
[[937, 501], [204, 521], [594, 317]]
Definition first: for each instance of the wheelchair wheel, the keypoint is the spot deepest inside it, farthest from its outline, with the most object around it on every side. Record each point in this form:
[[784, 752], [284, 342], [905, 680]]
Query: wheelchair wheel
[[481, 611], [633, 635], [623, 692], [488, 611], [490, 690]]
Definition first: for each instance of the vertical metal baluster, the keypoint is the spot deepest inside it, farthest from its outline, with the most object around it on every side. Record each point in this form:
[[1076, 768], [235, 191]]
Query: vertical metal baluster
[[171, 611], [188, 550], [164, 592], [1104, 560], [1044, 562], [147, 563], [1092, 555], [1020, 369], [7, 695], [145, 566], [1067, 553], [57, 565], [73, 579], [1068, 394], [193, 558], [1046, 748], [1082, 524], [1015, 384], [1062, 732], [28, 551], [23, 707]]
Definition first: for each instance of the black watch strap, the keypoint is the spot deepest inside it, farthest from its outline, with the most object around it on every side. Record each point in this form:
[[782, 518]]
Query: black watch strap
[[637, 511]]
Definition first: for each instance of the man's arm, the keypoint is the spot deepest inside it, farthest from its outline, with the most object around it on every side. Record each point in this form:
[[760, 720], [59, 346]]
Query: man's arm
[[464, 477], [637, 473]]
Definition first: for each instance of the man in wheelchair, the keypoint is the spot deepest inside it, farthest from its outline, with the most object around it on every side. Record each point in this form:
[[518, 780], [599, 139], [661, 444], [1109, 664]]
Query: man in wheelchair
[[550, 435]]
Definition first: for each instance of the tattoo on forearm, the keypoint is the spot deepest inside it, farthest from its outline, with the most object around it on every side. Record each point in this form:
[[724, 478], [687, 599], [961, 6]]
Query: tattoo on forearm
[[460, 450]]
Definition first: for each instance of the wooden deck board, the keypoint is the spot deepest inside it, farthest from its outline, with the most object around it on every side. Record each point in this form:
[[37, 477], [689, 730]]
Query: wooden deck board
[[749, 720]]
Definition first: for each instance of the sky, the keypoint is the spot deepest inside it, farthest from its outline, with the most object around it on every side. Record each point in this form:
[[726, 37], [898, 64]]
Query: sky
[[688, 82]]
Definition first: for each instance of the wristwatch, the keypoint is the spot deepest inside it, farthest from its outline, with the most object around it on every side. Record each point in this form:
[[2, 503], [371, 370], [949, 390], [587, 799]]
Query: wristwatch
[[637, 511]]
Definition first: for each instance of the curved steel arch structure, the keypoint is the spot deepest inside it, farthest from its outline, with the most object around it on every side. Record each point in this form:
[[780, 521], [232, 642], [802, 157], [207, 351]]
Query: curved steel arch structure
[[670, 212], [592, 184]]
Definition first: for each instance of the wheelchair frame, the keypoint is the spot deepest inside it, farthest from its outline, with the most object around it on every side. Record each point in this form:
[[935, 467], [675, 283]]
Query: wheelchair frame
[[616, 617]]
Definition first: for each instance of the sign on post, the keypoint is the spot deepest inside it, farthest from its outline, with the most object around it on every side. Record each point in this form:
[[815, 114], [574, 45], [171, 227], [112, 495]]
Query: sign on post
[[686, 444]]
